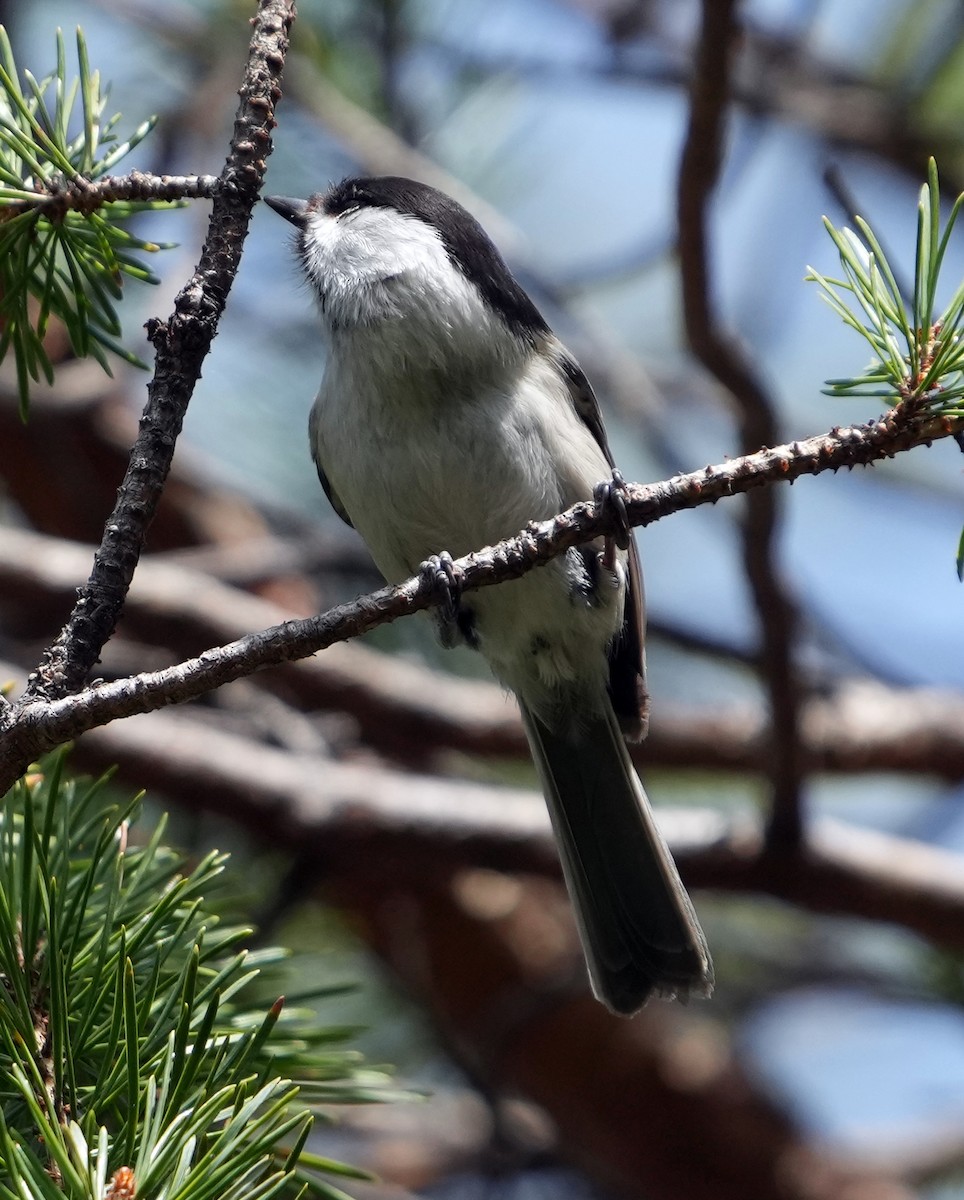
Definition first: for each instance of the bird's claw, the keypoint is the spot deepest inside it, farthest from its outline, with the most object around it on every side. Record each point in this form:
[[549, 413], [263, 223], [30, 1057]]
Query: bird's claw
[[612, 494], [444, 580]]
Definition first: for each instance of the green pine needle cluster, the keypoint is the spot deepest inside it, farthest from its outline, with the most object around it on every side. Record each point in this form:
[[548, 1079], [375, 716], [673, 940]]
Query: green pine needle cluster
[[61, 262], [130, 1061], [918, 358], [918, 354]]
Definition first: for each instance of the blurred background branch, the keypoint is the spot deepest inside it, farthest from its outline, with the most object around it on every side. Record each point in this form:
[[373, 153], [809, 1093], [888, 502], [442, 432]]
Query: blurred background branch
[[728, 362]]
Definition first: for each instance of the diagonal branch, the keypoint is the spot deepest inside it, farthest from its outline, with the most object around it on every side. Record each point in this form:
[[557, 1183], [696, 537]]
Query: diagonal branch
[[181, 345], [36, 724], [410, 712], [722, 355]]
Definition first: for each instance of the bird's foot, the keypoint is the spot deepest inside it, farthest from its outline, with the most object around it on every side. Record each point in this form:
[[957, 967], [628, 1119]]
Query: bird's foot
[[444, 580], [612, 495]]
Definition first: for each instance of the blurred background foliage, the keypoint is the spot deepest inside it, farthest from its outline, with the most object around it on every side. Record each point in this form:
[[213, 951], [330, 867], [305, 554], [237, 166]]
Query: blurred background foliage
[[562, 123]]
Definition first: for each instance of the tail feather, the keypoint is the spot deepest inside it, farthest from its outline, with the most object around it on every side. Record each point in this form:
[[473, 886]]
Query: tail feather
[[636, 922]]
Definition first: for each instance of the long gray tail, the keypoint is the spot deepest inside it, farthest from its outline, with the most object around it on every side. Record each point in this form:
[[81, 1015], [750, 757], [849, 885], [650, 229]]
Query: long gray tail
[[639, 932]]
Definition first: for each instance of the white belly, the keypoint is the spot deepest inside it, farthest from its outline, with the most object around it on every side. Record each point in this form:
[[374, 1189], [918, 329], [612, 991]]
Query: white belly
[[419, 474]]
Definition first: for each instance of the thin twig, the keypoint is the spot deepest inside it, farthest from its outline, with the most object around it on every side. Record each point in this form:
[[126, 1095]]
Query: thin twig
[[181, 345], [36, 724], [55, 198], [725, 358]]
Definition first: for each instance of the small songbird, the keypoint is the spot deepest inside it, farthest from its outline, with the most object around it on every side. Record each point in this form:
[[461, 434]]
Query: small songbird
[[448, 418]]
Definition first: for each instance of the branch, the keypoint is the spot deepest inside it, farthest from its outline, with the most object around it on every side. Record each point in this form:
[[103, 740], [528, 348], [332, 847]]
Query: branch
[[36, 724], [350, 818], [58, 197], [181, 346], [722, 354], [410, 712]]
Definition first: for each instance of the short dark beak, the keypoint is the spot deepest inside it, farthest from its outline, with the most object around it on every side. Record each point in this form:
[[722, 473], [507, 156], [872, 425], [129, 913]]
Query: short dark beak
[[291, 209]]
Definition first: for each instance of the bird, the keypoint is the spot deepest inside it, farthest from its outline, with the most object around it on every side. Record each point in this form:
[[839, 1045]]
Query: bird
[[448, 418]]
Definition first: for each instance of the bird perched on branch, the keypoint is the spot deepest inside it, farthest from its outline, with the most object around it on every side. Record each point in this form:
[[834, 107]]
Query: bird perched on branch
[[449, 417]]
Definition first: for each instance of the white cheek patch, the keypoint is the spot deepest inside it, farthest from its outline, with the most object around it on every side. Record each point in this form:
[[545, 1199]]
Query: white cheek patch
[[391, 243], [376, 263], [371, 244]]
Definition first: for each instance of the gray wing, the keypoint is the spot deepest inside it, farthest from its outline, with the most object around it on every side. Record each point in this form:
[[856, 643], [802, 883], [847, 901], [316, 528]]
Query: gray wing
[[583, 398], [627, 655], [313, 441]]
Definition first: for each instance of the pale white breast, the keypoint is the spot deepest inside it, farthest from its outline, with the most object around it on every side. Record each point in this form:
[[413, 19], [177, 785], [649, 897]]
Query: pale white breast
[[458, 470], [439, 431], [428, 462]]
